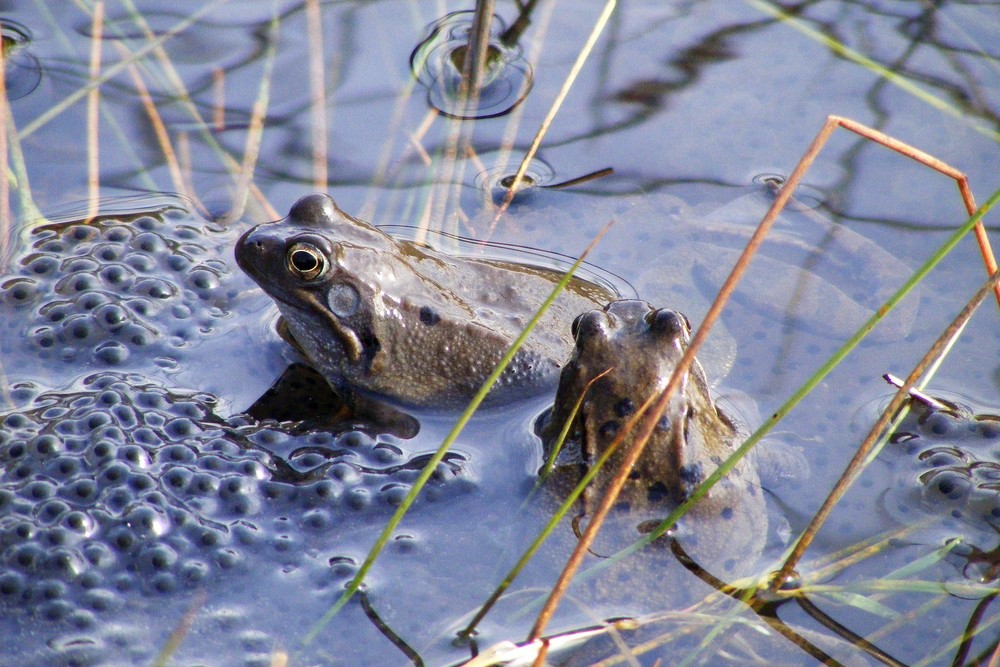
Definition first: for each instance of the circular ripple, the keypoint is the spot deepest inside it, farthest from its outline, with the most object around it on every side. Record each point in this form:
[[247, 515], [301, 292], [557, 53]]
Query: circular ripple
[[23, 72], [438, 60]]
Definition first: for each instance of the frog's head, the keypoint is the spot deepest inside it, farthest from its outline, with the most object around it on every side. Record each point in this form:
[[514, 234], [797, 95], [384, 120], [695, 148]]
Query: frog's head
[[324, 269], [639, 347]]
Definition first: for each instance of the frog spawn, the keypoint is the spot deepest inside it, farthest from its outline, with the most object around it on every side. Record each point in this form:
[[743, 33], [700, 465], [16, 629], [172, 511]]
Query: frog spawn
[[121, 490], [947, 463], [119, 287]]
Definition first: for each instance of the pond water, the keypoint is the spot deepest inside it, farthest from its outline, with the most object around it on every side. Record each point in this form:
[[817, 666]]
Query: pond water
[[141, 495]]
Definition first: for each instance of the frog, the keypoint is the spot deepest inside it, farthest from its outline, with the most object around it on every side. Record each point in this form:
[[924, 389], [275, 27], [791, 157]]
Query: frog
[[625, 353], [395, 321]]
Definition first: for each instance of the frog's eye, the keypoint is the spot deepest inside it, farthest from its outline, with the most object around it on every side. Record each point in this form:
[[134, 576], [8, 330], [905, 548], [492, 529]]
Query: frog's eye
[[306, 261], [573, 328]]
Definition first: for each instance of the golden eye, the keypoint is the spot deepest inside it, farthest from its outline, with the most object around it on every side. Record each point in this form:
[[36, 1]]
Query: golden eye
[[306, 261]]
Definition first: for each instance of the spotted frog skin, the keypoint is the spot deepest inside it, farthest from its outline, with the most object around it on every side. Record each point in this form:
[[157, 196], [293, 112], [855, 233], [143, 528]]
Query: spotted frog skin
[[642, 346], [398, 321]]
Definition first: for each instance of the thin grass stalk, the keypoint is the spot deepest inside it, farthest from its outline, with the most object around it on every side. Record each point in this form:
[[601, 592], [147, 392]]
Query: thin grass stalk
[[428, 470], [256, 130], [93, 101], [902, 394], [543, 129], [831, 565], [317, 94], [159, 128], [179, 632], [904, 620], [929, 586], [639, 444], [6, 223], [29, 211], [550, 461]]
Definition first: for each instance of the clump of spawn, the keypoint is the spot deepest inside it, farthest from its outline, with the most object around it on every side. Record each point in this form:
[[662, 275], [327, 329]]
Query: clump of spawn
[[119, 288], [120, 490], [949, 466]]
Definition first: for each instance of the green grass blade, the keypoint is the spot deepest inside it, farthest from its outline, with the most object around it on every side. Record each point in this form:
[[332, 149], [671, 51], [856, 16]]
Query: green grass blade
[[892, 77]]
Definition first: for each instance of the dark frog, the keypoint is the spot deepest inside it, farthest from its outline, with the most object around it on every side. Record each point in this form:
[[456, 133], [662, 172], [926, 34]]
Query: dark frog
[[402, 322], [632, 350]]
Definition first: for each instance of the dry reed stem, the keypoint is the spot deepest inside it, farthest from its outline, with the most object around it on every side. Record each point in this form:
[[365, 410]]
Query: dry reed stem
[[6, 223], [218, 98], [155, 45], [680, 372], [543, 129], [928, 160], [255, 131], [478, 48], [317, 90], [93, 102], [159, 129], [833, 122], [184, 160], [856, 463]]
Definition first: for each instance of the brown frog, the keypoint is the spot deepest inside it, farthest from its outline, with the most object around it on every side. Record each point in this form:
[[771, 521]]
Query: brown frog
[[640, 347], [398, 321]]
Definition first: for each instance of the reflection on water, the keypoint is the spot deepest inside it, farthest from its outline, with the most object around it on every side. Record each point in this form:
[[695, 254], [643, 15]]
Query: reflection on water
[[106, 537]]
